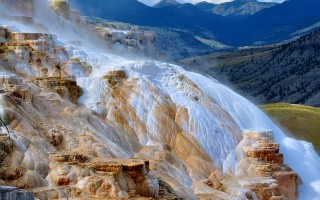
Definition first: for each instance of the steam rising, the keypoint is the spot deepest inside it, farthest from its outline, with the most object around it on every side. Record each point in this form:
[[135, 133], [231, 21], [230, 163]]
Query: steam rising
[[81, 42]]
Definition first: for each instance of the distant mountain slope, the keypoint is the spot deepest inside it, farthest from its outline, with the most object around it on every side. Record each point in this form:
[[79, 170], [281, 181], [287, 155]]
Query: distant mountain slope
[[165, 3], [235, 8], [282, 73], [268, 26], [186, 16], [279, 22]]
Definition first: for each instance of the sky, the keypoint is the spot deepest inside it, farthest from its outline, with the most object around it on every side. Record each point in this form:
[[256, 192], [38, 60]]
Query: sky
[[152, 2]]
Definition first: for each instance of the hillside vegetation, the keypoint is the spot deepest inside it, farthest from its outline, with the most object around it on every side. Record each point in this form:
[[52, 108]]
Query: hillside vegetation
[[278, 73], [301, 121]]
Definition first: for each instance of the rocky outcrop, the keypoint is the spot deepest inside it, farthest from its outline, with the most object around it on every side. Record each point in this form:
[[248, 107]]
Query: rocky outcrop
[[101, 178], [261, 173], [126, 38], [261, 158], [66, 87], [35, 50], [37, 55]]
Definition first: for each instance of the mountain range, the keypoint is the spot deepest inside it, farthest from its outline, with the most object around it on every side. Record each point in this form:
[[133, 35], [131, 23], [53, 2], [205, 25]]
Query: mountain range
[[267, 26], [165, 3], [80, 120], [235, 8], [278, 73]]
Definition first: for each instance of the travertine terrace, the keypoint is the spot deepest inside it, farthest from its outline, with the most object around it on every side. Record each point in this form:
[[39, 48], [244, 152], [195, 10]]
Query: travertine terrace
[[87, 123]]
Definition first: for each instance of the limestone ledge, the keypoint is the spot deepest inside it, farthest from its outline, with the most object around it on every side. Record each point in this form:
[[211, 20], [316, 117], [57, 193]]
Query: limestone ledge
[[66, 87], [37, 55], [261, 173], [101, 178]]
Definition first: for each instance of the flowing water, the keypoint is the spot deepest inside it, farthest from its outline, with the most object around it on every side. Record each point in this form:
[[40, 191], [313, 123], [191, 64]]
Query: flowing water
[[217, 115]]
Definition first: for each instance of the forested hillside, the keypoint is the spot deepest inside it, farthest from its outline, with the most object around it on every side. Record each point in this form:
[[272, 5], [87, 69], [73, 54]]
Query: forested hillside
[[280, 73]]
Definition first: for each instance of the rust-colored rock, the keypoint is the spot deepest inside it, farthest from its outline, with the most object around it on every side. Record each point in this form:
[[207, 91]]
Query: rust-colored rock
[[115, 76], [69, 157], [107, 166], [66, 87], [120, 74], [264, 161], [288, 183], [63, 181], [12, 173], [212, 183]]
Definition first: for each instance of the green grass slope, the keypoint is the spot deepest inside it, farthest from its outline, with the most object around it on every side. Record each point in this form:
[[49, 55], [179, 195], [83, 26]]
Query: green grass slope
[[303, 122]]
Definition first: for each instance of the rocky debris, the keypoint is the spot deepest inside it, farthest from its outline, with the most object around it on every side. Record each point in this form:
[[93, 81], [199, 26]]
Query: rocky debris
[[12, 193]]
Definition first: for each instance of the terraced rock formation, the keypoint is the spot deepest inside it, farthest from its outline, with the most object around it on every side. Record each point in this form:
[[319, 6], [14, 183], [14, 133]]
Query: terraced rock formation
[[261, 173], [86, 123]]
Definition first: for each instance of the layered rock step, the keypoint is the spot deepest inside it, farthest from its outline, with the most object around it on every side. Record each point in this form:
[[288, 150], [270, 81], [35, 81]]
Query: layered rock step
[[83, 177], [37, 50], [263, 161], [261, 173], [66, 87], [37, 55]]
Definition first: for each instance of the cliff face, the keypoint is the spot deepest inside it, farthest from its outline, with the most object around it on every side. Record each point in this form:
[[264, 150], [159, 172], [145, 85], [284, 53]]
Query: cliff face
[[84, 123]]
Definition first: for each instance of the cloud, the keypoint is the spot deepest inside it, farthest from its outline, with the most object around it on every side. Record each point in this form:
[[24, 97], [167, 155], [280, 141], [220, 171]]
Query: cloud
[[153, 2]]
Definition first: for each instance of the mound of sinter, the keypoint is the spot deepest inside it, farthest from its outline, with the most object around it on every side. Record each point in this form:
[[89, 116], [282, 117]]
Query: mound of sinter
[[92, 125], [261, 173]]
